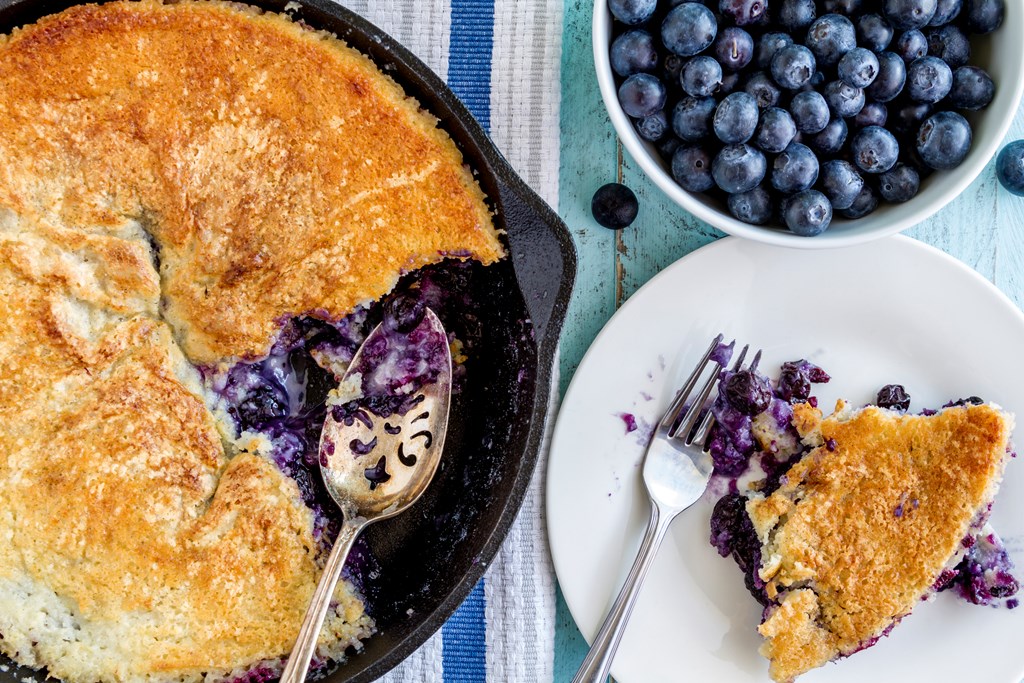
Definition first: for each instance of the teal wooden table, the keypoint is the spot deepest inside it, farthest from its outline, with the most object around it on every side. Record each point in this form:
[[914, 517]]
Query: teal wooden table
[[984, 228]]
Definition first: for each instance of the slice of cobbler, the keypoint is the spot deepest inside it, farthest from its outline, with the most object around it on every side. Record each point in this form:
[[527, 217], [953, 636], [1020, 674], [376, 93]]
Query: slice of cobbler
[[842, 524]]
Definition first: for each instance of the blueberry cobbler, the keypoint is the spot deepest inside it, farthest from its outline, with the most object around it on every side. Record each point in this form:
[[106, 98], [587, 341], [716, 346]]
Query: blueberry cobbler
[[842, 524], [195, 236]]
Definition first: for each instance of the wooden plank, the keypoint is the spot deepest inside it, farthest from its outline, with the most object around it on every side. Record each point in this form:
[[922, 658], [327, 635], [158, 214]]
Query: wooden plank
[[663, 232], [965, 228], [588, 160]]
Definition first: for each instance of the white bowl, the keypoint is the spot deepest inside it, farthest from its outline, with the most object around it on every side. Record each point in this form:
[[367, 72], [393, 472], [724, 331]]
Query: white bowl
[[1000, 53]]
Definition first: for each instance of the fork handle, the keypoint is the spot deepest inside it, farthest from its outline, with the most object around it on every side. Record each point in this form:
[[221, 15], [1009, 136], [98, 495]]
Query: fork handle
[[305, 645], [598, 662]]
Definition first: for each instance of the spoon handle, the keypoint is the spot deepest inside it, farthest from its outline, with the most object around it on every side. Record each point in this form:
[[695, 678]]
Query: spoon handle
[[305, 645]]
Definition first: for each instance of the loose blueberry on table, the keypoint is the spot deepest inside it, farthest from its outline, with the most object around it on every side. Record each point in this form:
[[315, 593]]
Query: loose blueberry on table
[[1010, 167], [724, 88], [614, 206]]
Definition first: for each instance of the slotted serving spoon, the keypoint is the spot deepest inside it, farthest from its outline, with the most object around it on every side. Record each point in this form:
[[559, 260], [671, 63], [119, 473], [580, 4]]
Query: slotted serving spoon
[[374, 468]]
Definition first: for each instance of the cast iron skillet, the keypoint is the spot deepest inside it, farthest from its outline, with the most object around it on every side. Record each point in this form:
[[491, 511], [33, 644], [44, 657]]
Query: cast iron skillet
[[429, 559]]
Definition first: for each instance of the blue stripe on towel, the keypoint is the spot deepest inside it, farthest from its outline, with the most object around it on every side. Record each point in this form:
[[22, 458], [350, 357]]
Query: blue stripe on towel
[[469, 56], [463, 641], [463, 637]]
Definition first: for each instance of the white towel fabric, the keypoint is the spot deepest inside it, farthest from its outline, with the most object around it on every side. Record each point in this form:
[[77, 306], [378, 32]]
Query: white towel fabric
[[523, 117]]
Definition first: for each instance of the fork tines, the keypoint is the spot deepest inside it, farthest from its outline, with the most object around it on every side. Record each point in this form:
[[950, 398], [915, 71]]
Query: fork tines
[[683, 415]]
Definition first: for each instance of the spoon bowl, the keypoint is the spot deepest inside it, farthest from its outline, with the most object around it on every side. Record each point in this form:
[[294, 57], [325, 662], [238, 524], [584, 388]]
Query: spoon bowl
[[380, 447]]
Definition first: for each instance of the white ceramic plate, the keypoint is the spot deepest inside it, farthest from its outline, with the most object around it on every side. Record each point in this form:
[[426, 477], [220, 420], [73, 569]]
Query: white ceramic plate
[[894, 310]]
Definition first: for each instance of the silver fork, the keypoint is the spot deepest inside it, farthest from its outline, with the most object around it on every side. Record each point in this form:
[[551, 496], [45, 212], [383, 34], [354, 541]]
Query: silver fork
[[677, 468]]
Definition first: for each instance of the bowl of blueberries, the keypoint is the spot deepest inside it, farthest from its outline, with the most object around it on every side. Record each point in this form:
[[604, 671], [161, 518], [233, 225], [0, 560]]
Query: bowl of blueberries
[[779, 120]]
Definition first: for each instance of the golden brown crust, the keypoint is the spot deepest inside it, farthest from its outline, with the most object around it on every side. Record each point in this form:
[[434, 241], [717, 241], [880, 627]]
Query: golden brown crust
[[278, 173], [856, 536], [119, 503], [278, 170]]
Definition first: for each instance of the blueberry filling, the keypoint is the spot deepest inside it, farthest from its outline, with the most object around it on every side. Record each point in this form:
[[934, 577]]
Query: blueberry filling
[[983, 576], [280, 398], [732, 533]]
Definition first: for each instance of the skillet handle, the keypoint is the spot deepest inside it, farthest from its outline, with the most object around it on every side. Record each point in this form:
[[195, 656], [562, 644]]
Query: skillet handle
[[542, 251]]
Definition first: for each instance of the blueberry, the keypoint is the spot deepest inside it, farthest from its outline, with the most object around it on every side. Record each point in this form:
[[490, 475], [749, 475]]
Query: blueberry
[[632, 12], [793, 66], [929, 79], [672, 70], [633, 52], [797, 14], [874, 150], [873, 114], [734, 48], [946, 11], [775, 131], [899, 184], [810, 111], [831, 139], [614, 206], [263, 404], [858, 67], [701, 77], [874, 32], [912, 45], [691, 168], [950, 45], [944, 140], [653, 127], [735, 118], [743, 12], [909, 14], [841, 183], [893, 397], [738, 168], [848, 7], [795, 379], [831, 37], [768, 45], [794, 170], [403, 313], [985, 16], [668, 145], [808, 213], [845, 100], [748, 392], [753, 206], [865, 203], [973, 88], [892, 76], [763, 90], [1010, 167], [691, 118], [641, 95], [688, 29], [908, 118], [729, 83]]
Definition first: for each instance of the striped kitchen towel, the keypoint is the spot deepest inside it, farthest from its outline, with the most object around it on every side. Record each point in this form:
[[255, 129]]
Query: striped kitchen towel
[[502, 58]]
